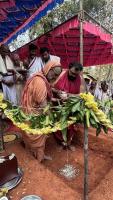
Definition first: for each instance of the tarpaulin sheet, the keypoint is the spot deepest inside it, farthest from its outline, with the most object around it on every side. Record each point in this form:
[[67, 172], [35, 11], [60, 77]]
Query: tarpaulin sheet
[[16, 16], [64, 41]]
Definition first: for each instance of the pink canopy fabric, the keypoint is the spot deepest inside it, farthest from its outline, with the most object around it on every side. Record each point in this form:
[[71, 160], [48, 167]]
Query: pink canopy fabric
[[64, 41]]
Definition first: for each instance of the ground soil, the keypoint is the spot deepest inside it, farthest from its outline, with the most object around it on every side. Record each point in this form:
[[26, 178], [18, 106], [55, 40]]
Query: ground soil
[[44, 179]]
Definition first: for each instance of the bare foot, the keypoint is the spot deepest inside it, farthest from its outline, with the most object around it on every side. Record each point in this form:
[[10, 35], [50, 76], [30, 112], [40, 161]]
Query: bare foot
[[71, 147], [47, 157]]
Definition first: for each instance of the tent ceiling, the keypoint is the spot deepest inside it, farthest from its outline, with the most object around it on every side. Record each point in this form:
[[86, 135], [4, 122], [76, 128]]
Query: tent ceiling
[[64, 41], [16, 16]]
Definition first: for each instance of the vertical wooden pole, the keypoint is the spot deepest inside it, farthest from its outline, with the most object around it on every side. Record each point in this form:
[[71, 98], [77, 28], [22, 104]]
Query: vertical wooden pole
[[1, 133], [81, 32], [85, 162], [85, 127]]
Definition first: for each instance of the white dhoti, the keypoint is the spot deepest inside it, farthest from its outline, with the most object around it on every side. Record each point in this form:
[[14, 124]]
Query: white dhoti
[[9, 91], [19, 88]]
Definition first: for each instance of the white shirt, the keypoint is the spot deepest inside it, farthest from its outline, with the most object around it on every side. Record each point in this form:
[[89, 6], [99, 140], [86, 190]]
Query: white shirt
[[42, 63], [37, 65], [34, 67], [100, 95]]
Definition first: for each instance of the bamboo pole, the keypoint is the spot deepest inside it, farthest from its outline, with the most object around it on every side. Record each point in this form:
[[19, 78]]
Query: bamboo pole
[[81, 32], [85, 197], [85, 161], [1, 133]]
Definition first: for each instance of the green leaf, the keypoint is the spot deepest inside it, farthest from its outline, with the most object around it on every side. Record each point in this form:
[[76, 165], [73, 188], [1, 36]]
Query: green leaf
[[105, 129], [64, 134], [94, 116], [98, 130], [76, 107], [93, 122]]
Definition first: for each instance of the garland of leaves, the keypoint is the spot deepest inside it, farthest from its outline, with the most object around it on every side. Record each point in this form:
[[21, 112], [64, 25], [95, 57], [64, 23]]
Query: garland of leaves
[[80, 109]]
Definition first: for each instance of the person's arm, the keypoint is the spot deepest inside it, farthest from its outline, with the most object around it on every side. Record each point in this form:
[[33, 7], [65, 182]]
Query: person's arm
[[26, 63], [72, 95], [13, 71], [8, 83]]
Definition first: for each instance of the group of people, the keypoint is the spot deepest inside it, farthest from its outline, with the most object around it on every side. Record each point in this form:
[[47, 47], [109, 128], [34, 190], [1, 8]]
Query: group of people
[[14, 73], [102, 91], [37, 80], [40, 80]]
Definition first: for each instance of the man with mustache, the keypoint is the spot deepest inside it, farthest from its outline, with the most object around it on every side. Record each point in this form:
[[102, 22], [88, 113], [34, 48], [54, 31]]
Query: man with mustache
[[69, 83]]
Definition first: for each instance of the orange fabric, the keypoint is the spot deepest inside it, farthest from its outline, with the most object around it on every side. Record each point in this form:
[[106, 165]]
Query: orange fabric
[[36, 91], [51, 64], [36, 144]]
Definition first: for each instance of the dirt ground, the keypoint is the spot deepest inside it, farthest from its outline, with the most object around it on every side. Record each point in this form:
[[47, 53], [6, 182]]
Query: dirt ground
[[45, 181]]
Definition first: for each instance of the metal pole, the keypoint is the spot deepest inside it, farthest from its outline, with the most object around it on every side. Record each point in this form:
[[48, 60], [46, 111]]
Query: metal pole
[[85, 127]]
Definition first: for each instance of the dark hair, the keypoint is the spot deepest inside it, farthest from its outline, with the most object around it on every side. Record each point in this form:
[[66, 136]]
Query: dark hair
[[103, 82], [43, 50], [76, 65], [32, 47]]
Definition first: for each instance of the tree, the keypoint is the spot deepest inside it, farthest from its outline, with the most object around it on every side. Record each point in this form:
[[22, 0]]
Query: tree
[[69, 9]]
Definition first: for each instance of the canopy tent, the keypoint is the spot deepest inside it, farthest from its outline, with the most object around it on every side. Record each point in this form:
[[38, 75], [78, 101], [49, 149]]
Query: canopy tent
[[16, 16], [64, 41]]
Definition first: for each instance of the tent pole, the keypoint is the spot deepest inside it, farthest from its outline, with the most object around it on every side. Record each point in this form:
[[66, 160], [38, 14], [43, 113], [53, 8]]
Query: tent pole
[[81, 32], [85, 127], [1, 133], [85, 161]]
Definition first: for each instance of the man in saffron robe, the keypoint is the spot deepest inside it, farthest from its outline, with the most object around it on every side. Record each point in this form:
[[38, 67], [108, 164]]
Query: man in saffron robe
[[36, 94], [71, 82]]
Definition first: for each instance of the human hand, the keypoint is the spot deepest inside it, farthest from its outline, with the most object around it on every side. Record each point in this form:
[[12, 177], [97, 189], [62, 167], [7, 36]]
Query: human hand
[[63, 95]]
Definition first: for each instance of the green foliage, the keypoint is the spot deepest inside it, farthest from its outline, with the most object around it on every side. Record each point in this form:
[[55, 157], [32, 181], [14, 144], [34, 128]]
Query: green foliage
[[93, 5], [74, 110]]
